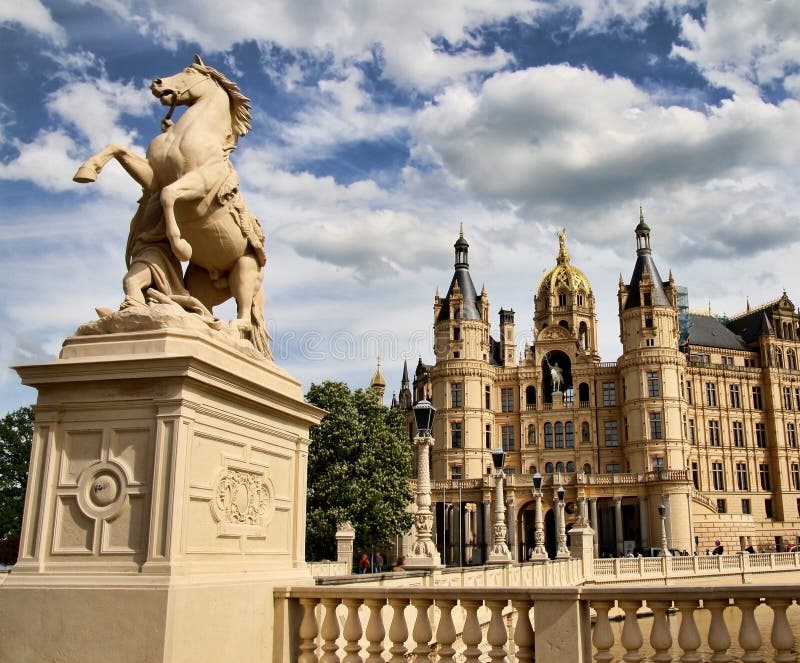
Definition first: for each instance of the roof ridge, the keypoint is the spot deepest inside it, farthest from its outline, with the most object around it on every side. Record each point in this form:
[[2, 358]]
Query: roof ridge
[[756, 309]]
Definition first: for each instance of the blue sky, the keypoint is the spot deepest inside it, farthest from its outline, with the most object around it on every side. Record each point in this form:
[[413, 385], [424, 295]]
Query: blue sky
[[380, 126]]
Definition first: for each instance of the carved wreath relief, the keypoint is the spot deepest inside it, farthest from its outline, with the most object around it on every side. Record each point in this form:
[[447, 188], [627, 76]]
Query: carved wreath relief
[[242, 498]]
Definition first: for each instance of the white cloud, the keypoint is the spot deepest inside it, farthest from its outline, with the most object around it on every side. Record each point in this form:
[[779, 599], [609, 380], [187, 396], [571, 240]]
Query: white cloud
[[33, 16], [743, 45], [561, 137], [49, 161]]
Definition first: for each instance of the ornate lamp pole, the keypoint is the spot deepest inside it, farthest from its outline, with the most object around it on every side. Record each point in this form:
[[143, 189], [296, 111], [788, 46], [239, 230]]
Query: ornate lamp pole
[[500, 554], [563, 552], [539, 552], [662, 512], [424, 554]]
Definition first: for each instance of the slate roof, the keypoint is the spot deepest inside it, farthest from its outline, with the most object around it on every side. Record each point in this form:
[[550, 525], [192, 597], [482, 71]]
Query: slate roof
[[707, 331]]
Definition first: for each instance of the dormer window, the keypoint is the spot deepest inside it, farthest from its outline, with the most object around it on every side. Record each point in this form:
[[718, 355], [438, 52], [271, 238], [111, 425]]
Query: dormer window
[[580, 299], [562, 299], [648, 299], [457, 313]]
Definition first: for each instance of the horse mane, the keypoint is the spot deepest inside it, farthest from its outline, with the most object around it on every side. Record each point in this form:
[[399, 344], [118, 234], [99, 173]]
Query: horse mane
[[240, 105]]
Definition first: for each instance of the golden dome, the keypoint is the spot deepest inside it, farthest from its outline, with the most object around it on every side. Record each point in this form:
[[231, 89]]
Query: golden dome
[[564, 276]]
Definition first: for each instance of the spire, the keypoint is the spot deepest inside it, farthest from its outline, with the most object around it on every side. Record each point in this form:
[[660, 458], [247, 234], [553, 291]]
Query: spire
[[378, 383], [462, 289], [462, 249], [405, 381], [405, 400], [642, 235]]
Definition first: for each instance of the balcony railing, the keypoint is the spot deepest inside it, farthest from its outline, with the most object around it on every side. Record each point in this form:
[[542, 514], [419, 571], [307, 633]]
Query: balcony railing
[[471, 624]]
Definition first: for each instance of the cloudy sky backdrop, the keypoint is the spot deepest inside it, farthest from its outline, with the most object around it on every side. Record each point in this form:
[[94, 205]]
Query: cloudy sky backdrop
[[379, 126]]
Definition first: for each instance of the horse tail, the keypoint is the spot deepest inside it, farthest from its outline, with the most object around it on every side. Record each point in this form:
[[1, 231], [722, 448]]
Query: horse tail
[[259, 335]]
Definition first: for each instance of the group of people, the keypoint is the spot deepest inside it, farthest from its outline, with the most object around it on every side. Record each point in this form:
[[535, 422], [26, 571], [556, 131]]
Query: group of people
[[365, 566]]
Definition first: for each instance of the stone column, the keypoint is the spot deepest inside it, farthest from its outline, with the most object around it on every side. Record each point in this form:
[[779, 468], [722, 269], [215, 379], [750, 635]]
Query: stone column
[[487, 528], [643, 528], [500, 553], [583, 509], [618, 524], [594, 524], [345, 535], [423, 553], [512, 530]]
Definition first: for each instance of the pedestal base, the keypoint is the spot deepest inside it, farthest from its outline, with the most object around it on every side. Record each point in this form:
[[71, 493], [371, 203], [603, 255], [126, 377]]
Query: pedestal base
[[166, 497], [419, 563]]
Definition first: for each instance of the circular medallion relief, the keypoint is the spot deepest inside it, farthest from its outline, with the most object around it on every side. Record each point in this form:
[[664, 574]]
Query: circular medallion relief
[[102, 489]]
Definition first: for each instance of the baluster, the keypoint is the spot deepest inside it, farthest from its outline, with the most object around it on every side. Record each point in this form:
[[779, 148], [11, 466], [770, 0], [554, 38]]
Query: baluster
[[523, 632], [660, 635], [352, 631], [603, 636], [330, 631], [781, 636], [398, 631], [308, 632], [718, 637], [497, 635], [749, 635], [631, 633], [688, 634], [446, 633], [472, 631], [422, 633], [376, 632]]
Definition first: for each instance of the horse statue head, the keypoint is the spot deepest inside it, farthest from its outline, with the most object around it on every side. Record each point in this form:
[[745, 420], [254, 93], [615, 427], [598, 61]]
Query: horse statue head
[[189, 85]]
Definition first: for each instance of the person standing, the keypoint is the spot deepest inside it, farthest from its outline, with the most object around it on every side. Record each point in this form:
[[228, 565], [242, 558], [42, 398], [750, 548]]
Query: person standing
[[363, 564], [378, 563]]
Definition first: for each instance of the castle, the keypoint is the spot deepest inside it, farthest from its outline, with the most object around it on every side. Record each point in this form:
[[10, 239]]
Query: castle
[[698, 416]]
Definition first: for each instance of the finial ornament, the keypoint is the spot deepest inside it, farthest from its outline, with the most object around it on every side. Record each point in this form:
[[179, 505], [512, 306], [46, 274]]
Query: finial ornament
[[641, 213], [461, 230], [563, 255]]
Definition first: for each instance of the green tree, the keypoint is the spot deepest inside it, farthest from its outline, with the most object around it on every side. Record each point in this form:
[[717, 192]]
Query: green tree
[[359, 466], [16, 434]]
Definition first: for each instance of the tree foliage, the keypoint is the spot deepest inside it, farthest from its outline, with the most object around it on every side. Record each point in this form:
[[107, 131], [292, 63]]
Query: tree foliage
[[16, 434], [359, 468]]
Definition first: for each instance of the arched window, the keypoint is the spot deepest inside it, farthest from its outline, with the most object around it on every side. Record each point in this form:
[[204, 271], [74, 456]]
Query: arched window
[[580, 299], [569, 435], [559, 435], [778, 358], [530, 396], [531, 434], [570, 466], [585, 432], [583, 392], [548, 435], [548, 468], [564, 324], [587, 469], [562, 298], [559, 466], [791, 359], [533, 469]]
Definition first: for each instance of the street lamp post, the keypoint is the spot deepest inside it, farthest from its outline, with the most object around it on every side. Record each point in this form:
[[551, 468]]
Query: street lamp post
[[500, 554], [662, 512], [539, 552], [424, 554], [563, 552]]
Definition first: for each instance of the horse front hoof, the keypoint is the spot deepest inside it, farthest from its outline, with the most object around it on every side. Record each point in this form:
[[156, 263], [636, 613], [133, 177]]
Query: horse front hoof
[[182, 250], [85, 175]]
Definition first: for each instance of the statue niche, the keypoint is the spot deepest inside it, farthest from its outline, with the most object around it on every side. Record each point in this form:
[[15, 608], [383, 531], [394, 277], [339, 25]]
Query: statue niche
[[191, 210], [556, 374]]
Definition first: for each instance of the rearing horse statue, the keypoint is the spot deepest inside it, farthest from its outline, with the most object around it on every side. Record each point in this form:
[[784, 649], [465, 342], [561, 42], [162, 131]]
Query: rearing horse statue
[[191, 208]]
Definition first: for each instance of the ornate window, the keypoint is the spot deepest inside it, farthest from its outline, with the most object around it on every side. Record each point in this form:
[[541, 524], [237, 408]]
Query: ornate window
[[569, 435], [585, 432], [548, 435], [559, 435], [611, 435], [548, 468]]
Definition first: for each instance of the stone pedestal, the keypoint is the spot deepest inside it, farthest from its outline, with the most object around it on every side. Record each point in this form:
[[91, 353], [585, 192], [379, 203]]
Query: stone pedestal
[[582, 546], [345, 535], [166, 498]]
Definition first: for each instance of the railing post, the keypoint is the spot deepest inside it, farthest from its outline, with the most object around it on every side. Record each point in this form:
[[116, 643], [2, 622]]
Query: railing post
[[497, 635], [376, 631], [660, 635], [749, 635], [523, 632], [781, 636], [718, 637], [631, 633], [352, 631], [602, 636], [446, 632], [398, 631], [562, 629]]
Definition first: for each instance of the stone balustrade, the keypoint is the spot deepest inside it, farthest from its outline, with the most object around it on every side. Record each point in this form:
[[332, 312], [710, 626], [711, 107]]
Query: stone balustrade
[[671, 569], [355, 624]]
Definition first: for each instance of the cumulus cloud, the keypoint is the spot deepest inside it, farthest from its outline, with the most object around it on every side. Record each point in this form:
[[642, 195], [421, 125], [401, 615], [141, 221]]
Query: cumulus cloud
[[519, 139], [33, 16], [742, 45]]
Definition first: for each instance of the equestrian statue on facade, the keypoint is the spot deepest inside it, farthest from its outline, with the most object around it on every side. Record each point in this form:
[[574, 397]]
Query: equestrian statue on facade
[[191, 209]]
